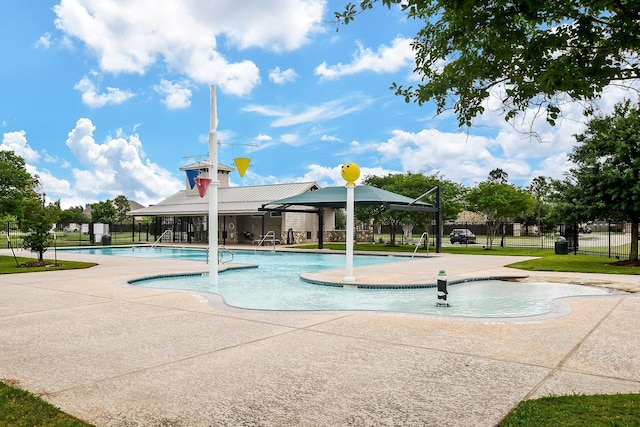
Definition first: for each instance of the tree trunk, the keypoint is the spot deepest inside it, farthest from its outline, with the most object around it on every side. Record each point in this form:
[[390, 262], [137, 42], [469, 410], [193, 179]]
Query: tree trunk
[[492, 230]]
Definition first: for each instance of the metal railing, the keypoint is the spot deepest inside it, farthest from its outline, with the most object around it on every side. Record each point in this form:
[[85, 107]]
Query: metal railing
[[161, 237], [424, 239], [222, 250], [269, 236]]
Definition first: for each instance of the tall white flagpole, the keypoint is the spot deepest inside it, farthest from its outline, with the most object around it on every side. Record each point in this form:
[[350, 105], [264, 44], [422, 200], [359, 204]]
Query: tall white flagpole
[[213, 192]]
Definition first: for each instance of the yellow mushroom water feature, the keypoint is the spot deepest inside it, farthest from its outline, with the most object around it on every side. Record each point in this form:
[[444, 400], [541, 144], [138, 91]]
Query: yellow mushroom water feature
[[350, 173]]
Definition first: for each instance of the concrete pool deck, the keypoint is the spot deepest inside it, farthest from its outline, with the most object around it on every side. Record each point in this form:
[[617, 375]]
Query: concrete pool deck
[[117, 355]]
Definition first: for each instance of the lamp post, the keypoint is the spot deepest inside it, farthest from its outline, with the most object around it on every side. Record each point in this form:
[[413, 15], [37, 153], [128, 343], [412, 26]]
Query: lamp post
[[350, 173], [213, 192]]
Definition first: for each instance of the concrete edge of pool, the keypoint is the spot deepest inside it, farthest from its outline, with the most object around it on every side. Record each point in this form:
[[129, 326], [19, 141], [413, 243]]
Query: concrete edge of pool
[[328, 279]]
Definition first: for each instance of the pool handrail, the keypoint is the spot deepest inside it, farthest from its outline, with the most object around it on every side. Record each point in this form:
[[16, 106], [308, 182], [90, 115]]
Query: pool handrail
[[270, 236], [167, 231], [221, 251], [423, 238]]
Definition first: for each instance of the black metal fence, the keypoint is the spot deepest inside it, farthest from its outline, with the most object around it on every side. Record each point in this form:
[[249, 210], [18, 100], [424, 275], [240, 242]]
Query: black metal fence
[[84, 235], [605, 239]]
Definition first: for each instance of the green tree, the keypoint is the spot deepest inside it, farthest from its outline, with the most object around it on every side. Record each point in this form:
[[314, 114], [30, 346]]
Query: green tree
[[104, 212], [540, 189], [16, 184], [415, 185], [605, 183], [499, 176], [73, 214], [535, 52], [122, 207], [565, 205], [499, 202], [37, 222]]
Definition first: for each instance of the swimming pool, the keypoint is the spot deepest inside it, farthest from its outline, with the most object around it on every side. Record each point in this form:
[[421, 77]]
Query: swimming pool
[[276, 285], [181, 253], [484, 298]]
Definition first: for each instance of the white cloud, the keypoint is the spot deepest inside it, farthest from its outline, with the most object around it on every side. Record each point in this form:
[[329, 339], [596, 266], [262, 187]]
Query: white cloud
[[526, 148], [92, 98], [117, 166], [332, 176], [55, 187], [263, 141], [177, 95], [330, 138], [281, 77], [44, 41], [129, 37], [386, 59], [290, 139], [457, 156], [17, 142], [327, 111]]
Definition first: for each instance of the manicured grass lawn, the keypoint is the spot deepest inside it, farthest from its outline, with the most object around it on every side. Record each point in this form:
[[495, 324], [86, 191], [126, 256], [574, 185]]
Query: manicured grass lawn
[[616, 410], [20, 408], [10, 265], [575, 263], [546, 259]]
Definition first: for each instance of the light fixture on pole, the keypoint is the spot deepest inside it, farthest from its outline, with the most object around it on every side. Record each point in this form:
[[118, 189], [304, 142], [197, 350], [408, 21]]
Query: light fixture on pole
[[350, 173]]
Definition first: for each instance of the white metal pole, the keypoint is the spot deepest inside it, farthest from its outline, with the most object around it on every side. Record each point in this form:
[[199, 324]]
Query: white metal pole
[[350, 224], [213, 192]]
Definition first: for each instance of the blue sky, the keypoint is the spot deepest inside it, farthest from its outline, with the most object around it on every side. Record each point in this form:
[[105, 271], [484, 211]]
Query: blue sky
[[112, 97]]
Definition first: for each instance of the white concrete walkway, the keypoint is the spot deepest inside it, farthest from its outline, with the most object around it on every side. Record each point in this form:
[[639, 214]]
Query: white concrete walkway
[[116, 355]]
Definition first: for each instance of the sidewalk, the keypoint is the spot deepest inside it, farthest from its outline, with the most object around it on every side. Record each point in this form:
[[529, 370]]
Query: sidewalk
[[116, 355]]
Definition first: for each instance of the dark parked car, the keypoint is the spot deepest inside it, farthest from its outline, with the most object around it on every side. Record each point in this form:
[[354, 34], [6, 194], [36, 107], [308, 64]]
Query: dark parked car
[[462, 235]]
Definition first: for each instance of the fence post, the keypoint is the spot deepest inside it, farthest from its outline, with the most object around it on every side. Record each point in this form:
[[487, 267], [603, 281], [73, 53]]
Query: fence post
[[609, 233]]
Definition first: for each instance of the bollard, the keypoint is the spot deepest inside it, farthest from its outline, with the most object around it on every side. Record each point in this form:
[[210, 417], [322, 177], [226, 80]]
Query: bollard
[[442, 289]]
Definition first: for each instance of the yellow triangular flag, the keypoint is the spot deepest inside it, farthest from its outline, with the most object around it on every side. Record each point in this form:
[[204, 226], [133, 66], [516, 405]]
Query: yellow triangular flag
[[242, 163]]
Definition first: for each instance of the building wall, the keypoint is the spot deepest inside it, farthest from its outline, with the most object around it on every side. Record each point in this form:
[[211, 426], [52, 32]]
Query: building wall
[[298, 227], [329, 219]]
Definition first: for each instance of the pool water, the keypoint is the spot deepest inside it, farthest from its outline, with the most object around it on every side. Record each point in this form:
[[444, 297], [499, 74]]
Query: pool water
[[276, 285], [188, 254], [486, 298]]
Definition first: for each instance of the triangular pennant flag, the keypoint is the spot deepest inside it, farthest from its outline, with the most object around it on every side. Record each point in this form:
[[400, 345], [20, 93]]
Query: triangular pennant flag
[[202, 184], [242, 163], [191, 176]]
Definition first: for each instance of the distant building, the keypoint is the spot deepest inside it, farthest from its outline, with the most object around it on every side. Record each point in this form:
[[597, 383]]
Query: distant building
[[183, 217]]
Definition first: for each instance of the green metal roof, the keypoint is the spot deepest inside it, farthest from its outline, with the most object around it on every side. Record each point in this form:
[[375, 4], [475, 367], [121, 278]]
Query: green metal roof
[[336, 197]]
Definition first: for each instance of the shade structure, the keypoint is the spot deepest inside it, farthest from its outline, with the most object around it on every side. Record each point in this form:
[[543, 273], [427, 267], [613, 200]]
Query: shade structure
[[242, 163], [202, 184], [336, 197]]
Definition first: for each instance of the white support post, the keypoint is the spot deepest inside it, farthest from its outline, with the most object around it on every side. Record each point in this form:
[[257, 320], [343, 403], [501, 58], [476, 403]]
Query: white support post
[[350, 225], [213, 192]]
